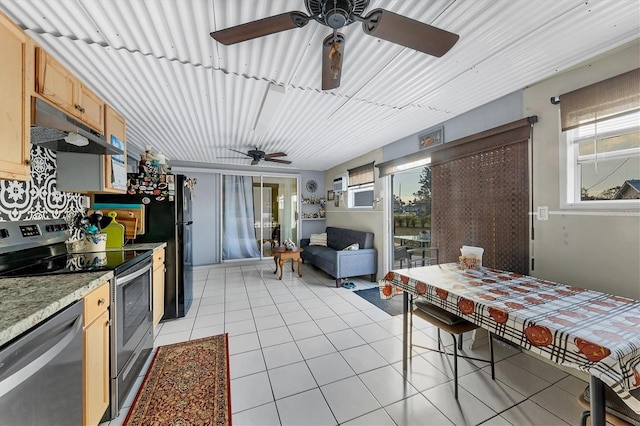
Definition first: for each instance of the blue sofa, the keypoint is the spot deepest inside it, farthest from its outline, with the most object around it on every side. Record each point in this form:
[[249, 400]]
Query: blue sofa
[[340, 263]]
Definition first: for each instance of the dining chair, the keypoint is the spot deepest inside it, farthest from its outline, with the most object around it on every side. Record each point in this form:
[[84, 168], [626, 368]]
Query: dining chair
[[426, 256], [443, 320], [400, 254], [617, 412]]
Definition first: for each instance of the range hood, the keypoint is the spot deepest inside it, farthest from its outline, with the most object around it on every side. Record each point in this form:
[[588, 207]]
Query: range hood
[[51, 128]]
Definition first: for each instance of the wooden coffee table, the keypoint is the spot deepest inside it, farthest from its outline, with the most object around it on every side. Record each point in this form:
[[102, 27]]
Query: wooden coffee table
[[281, 255]]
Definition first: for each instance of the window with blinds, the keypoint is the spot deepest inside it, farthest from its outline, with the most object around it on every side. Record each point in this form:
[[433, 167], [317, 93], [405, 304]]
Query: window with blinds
[[360, 193], [601, 123]]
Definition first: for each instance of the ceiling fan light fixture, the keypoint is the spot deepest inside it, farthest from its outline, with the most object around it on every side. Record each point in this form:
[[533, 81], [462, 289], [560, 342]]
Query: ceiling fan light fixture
[[337, 13], [337, 19]]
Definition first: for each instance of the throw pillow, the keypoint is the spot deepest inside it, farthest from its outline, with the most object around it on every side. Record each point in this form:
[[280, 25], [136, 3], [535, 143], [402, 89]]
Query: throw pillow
[[318, 239], [354, 246]]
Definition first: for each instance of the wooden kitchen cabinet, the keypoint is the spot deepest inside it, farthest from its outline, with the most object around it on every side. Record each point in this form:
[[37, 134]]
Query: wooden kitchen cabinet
[[158, 286], [115, 166], [16, 86], [95, 356], [56, 84]]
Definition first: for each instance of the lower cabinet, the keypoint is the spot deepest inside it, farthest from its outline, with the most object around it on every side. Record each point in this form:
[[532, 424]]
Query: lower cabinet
[[95, 357], [158, 286]]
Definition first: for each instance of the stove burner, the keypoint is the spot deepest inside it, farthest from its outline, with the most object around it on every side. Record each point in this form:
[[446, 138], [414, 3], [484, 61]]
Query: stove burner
[[79, 262]]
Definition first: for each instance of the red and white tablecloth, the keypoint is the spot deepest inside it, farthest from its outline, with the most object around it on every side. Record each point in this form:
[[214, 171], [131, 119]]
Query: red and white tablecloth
[[593, 332]]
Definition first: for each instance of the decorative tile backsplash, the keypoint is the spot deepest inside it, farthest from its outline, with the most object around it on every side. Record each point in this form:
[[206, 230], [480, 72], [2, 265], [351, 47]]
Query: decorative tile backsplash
[[39, 198]]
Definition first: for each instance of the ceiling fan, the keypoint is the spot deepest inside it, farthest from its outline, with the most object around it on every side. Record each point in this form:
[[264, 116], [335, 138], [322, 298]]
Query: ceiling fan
[[337, 14], [256, 155]]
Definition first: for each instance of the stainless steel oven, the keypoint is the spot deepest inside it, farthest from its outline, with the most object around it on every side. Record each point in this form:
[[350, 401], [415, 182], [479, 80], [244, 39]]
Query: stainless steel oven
[[131, 328], [29, 248]]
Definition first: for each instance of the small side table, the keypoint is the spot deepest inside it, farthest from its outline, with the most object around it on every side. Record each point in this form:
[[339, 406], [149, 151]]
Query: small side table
[[281, 255]]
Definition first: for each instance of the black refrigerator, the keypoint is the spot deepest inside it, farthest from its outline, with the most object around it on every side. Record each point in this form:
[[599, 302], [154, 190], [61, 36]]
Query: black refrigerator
[[166, 200]]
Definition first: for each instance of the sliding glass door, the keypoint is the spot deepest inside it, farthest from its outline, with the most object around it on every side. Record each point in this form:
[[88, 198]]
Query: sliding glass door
[[259, 212], [411, 214]]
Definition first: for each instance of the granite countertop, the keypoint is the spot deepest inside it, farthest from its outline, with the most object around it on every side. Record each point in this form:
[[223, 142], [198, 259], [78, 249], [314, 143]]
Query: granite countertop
[[137, 246], [27, 301], [143, 246]]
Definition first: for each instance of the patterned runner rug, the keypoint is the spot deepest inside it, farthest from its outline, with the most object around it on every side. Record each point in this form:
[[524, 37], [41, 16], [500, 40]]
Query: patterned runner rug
[[186, 384]]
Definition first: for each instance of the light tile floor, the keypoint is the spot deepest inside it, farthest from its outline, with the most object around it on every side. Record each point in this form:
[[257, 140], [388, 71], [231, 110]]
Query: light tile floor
[[303, 352]]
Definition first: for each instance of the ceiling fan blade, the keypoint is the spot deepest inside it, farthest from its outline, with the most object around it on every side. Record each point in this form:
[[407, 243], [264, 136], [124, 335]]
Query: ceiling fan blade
[[332, 61], [261, 27], [275, 160], [275, 154], [239, 152], [408, 32]]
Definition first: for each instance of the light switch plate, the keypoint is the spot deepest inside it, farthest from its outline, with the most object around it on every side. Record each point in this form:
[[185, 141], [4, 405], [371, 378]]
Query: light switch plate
[[543, 213]]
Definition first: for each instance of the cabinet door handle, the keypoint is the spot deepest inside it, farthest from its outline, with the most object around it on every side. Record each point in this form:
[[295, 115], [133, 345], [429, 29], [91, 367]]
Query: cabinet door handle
[[78, 107], [101, 301]]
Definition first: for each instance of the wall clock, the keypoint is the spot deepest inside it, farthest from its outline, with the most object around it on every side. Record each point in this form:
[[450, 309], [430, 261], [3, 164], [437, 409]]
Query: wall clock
[[312, 185]]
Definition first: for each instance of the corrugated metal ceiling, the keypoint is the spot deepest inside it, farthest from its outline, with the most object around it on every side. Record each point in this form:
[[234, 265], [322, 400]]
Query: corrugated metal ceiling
[[192, 99]]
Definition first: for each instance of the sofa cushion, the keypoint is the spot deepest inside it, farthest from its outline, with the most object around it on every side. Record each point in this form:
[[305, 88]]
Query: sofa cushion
[[318, 239], [315, 250], [339, 238]]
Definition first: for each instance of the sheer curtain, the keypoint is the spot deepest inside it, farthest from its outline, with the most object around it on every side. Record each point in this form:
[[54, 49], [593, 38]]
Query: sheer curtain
[[239, 240]]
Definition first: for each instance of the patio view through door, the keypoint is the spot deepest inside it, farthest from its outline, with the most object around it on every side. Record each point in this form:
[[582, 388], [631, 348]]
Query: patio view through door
[[258, 213], [411, 214]]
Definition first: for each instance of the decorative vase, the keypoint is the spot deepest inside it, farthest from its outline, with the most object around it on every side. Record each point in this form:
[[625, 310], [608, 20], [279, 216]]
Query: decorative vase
[[95, 242]]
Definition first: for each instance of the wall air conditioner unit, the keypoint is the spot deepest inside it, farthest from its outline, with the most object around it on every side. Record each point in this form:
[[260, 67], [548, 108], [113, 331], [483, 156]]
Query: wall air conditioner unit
[[340, 184]]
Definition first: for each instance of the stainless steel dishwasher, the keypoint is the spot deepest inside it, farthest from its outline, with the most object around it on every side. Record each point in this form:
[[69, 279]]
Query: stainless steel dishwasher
[[41, 373]]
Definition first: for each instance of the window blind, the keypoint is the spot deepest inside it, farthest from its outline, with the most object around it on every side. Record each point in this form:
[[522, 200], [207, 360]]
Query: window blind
[[361, 175], [411, 161], [480, 196], [605, 99]]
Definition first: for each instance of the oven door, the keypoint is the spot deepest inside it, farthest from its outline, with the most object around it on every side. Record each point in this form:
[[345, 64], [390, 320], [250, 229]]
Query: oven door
[[133, 315], [131, 329]]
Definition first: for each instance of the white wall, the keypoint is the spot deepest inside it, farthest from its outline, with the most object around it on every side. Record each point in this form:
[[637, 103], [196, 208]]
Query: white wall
[[595, 252], [371, 220], [496, 113]]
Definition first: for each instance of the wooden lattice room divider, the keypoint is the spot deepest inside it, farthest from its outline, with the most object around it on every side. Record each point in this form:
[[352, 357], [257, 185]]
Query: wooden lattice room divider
[[480, 190]]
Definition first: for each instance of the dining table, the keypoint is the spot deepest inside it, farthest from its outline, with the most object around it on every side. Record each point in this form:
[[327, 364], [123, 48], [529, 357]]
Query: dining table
[[591, 331]]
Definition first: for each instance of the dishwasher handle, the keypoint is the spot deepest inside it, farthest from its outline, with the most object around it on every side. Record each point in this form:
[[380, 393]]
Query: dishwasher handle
[[17, 378]]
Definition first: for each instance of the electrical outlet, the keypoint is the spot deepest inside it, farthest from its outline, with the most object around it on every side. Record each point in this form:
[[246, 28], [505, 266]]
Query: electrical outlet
[[543, 212], [86, 202]]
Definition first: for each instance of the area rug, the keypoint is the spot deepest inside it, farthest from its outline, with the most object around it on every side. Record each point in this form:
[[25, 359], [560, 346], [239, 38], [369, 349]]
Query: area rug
[[186, 384], [391, 306]]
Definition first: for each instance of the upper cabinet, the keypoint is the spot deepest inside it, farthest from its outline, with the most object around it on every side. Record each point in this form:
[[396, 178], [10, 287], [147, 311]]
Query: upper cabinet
[[16, 85], [115, 166], [55, 83]]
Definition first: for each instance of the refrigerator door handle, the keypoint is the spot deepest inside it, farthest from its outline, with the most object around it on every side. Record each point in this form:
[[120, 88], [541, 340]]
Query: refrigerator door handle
[[185, 223]]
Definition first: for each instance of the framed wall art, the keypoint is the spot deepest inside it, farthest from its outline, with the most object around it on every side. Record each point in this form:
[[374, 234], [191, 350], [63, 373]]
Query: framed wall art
[[431, 139], [330, 195]]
